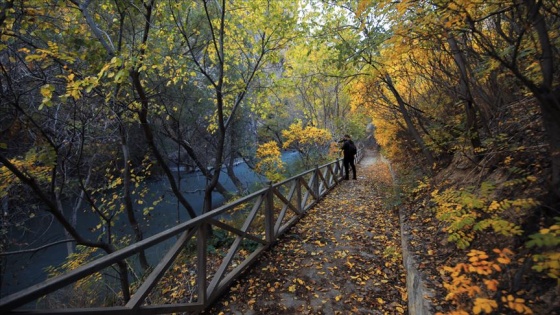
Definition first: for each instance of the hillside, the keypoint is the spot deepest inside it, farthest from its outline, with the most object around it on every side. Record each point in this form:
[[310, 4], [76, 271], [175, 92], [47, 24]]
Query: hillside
[[479, 229]]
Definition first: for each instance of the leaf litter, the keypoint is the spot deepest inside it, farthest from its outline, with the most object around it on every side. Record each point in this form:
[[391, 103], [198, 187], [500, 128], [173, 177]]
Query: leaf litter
[[343, 257]]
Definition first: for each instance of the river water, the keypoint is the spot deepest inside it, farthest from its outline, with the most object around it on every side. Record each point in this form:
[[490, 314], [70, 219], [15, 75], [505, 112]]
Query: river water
[[23, 270]]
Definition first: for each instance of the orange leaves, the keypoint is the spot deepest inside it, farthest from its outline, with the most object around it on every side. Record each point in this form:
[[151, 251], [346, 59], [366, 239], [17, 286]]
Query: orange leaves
[[516, 304], [479, 263], [503, 255], [477, 255], [491, 284], [484, 305], [481, 268]]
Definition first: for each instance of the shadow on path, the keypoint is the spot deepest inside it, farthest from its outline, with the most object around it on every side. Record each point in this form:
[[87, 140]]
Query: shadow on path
[[343, 257]]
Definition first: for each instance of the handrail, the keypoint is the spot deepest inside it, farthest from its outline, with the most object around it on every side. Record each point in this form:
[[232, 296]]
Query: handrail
[[279, 206]]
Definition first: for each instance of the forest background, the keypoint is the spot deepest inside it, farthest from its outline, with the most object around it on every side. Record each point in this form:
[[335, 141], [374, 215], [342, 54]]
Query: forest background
[[463, 96]]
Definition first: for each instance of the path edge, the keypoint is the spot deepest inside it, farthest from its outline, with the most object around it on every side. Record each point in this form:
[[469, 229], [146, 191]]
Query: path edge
[[418, 293]]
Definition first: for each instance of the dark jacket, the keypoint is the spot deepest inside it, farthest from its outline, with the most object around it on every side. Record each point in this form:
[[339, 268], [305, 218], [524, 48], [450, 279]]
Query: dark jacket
[[347, 149]]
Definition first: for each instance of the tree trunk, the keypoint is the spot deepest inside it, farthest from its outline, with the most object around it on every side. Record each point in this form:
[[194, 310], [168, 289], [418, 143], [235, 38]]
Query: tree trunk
[[231, 174], [409, 124], [550, 109], [465, 94], [148, 133], [127, 198], [546, 93], [231, 160]]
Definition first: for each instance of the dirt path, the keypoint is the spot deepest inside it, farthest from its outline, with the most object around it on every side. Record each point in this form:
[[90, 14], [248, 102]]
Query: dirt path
[[341, 258]]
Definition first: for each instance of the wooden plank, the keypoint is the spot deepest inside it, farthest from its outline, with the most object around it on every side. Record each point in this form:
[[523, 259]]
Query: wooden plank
[[36, 291], [158, 272], [308, 188], [288, 225], [269, 215], [235, 273], [234, 247], [121, 310], [224, 265], [201, 241], [235, 231], [190, 308], [287, 200]]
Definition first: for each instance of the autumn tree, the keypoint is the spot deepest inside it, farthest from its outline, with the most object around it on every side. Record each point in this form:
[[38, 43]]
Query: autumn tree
[[318, 74], [42, 86], [109, 89], [463, 64], [311, 142], [522, 40], [226, 51], [270, 162], [514, 40]]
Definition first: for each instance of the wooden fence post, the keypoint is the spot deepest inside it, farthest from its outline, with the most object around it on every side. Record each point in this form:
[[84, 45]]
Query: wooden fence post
[[316, 182], [201, 247], [269, 214], [299, 199]]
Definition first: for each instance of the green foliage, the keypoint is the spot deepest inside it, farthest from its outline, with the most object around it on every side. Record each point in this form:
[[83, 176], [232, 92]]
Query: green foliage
[[219, 240], [547, 261], [249, 245], [472, 210]]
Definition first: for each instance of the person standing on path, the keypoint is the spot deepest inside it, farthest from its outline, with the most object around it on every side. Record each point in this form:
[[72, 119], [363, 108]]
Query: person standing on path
[[349, 152]]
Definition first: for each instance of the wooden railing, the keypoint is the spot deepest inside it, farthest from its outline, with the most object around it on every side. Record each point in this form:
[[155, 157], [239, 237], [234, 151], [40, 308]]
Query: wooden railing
[[203, 256]]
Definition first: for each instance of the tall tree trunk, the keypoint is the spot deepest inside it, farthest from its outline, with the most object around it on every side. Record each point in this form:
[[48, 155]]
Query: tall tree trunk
[[232, 155], [409, 123], [216, 168], [218, 87], [231, 174], [150, 139], [127, 198], [143, 116], [550, 108], [465, 94], [547, 95], [77, 206]]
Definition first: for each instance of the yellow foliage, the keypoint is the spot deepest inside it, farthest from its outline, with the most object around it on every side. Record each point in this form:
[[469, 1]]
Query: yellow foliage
[[468, 211], [297, 136], [548, 261], [311, 142], [37, 163], [270, 162]]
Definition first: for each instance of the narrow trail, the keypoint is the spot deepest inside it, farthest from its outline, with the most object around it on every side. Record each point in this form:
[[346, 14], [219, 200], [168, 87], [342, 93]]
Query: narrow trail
[[343, 257]]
